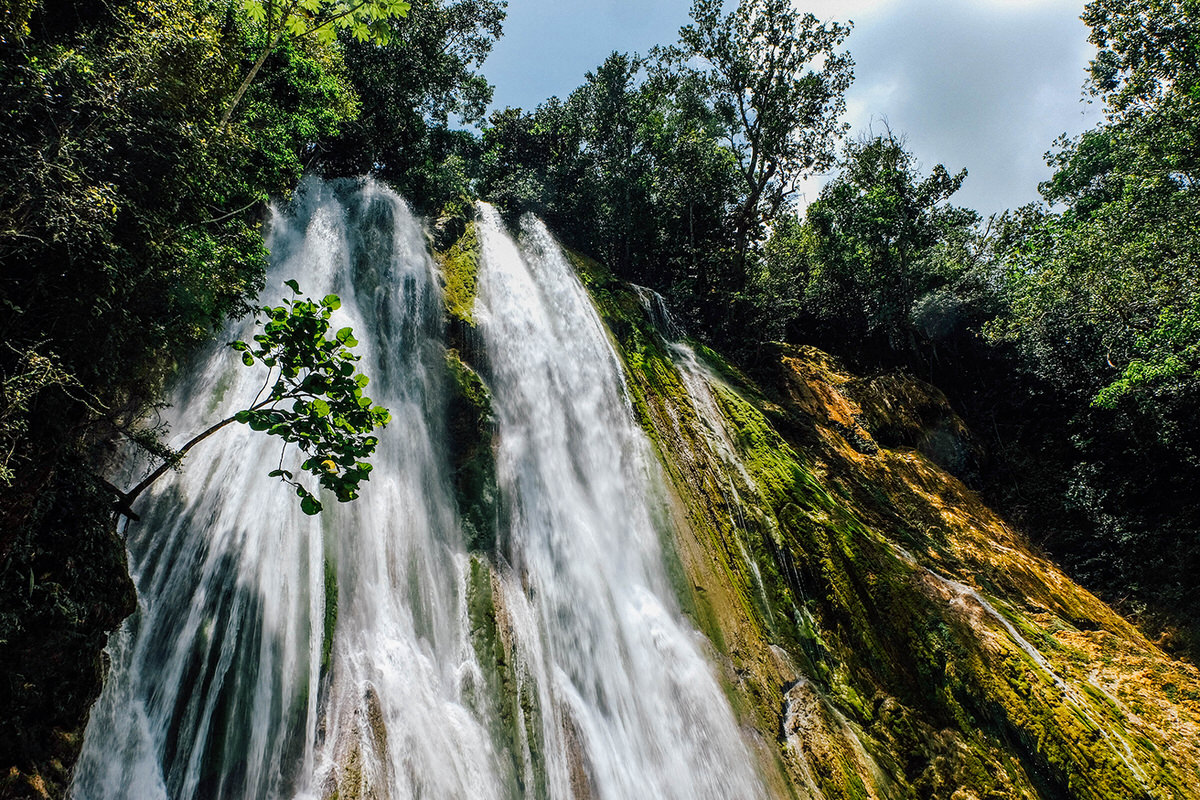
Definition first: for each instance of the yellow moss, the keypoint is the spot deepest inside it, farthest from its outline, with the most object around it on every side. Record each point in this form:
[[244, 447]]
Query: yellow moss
[[460, 271], [819, 570]]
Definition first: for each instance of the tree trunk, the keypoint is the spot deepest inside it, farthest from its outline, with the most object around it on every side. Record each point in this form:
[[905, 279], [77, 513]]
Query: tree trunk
[[237, 97]]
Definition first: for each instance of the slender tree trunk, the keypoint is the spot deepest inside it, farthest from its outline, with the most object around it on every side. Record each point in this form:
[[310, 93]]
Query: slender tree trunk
[[125, 499], [237, 97]]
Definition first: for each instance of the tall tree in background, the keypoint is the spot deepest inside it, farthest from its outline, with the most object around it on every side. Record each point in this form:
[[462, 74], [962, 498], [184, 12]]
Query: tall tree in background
[[875, 229], [777, 81], [611, 113]]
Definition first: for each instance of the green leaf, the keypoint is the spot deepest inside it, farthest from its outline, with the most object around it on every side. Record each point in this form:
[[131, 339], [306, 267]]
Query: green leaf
[[248, 359], [291, 284], [309, 505], [332, 301], [254, 10]]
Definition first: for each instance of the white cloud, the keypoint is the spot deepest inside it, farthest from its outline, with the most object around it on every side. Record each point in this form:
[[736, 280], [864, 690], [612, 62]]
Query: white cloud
[[842, 10], [982, 84]]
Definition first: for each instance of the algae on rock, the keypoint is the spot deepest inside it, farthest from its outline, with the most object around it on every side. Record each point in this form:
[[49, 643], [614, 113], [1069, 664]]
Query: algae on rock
[[889, 632], [472, 430], [460, 274], [514, 704]]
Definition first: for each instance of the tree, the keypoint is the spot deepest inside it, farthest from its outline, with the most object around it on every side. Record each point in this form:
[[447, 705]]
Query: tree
[[412, 92], [366, 20], [1104, 296], [780, 112], [875, 230], [330, 418]]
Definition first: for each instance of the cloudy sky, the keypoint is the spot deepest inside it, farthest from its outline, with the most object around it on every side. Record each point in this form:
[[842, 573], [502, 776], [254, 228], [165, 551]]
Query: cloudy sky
[[982, 84]]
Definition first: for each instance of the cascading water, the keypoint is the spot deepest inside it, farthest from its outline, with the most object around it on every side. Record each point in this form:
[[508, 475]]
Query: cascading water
[[276, 655], [622, 667], [246, 603]]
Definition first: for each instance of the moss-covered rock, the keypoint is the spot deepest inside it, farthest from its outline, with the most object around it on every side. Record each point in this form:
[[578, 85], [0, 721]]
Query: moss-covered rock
[[472, 432], [888, 632], [460, 275], [508, 699]]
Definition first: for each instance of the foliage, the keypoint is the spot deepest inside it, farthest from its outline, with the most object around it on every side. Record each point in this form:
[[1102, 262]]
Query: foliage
[[876, 229], [127, 232], [366, 20], [779, 112], [330, 419], [412, 92], [1149, 51], [291, 21]]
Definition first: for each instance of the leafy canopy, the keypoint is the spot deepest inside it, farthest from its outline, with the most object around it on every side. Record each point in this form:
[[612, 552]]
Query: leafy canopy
[[366, 20]]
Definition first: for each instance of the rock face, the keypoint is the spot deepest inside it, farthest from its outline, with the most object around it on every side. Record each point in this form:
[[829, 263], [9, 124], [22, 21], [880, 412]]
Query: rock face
[[888, 634], [63, 586]]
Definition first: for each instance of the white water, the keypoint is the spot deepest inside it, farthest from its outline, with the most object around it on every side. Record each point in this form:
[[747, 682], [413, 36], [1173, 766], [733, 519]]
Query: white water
[[218, 687], [618, 658]]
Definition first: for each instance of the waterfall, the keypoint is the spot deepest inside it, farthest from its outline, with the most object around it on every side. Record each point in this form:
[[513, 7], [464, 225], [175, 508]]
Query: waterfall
[[613, 649], [275, 655]]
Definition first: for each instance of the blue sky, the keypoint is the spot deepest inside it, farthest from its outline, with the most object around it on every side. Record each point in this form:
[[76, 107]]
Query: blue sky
[[982, 84]]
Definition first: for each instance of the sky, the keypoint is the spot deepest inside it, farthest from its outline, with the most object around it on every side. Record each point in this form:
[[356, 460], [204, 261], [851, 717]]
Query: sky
[[983, 84]]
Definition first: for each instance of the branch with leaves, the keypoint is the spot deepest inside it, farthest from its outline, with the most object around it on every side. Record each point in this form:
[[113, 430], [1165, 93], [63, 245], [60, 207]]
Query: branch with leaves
[[314, 399], [365, 20]]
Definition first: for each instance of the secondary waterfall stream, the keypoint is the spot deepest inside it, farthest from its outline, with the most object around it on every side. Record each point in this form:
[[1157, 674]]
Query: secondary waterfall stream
[[275, 655]]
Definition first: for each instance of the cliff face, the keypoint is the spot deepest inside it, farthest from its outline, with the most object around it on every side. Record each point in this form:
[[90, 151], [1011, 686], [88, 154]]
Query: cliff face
[[889, 633], [884, 631]]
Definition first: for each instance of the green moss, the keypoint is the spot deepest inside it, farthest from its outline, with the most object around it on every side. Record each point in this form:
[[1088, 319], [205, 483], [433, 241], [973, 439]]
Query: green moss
[[218, 392], [590, 271], [512, 701], [460, 271], [472, 431], [331, 613]]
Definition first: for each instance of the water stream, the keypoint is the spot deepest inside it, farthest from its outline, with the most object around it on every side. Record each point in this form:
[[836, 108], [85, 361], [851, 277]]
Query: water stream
[[624, 667], [275, 655]]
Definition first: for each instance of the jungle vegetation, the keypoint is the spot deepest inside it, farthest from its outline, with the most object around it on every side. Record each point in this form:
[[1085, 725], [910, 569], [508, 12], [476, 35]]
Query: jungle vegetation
[[143, 140]]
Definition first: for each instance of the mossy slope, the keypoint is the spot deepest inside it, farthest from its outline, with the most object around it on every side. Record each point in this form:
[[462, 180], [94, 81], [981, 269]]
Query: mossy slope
[[885, 630]]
